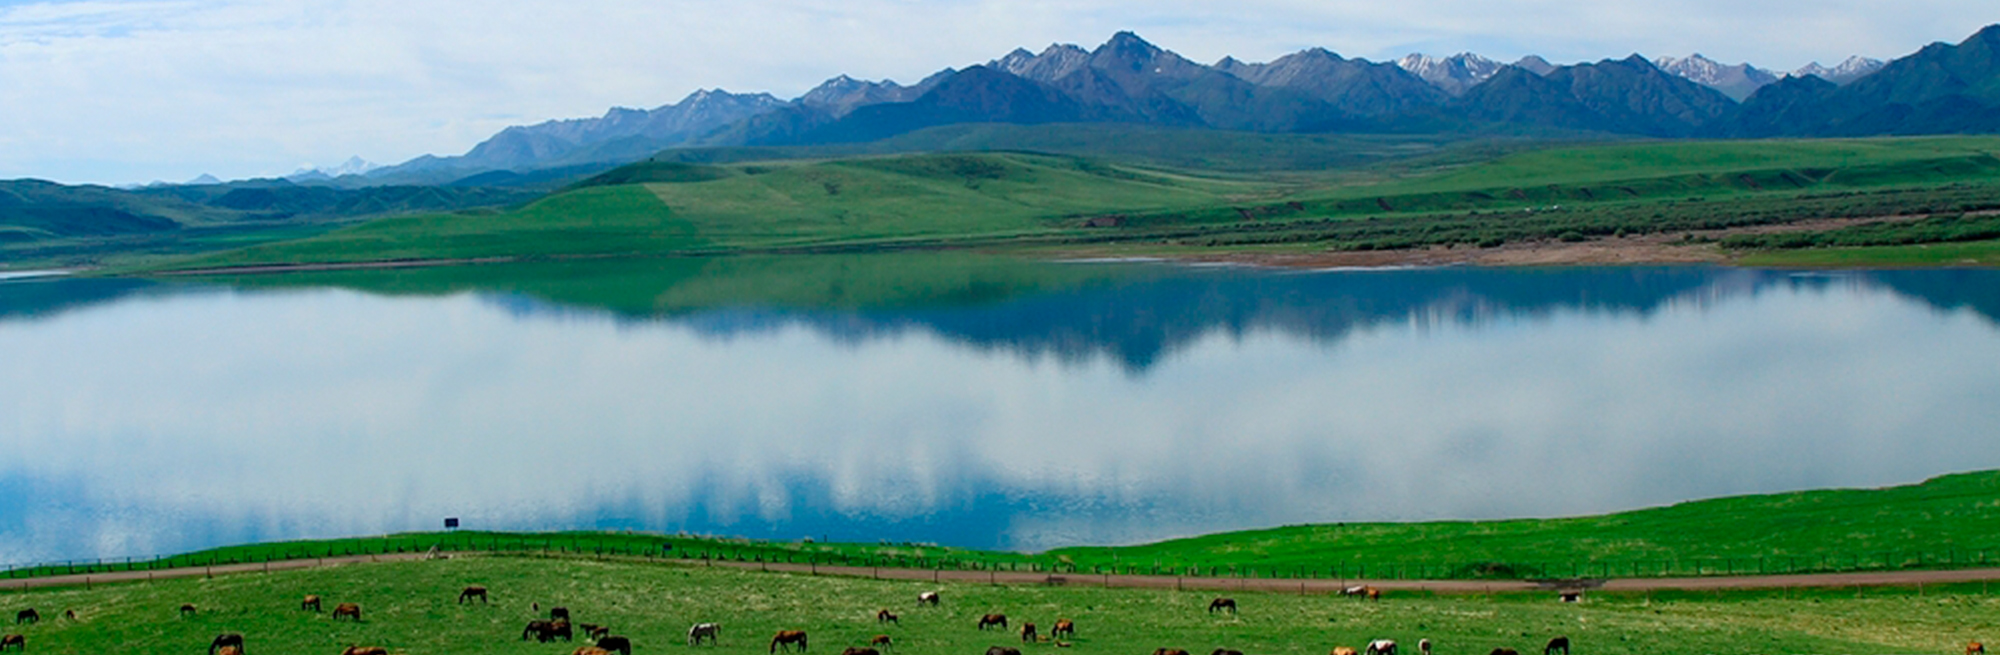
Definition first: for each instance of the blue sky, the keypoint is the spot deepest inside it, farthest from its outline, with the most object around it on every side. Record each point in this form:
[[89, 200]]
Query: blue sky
[[120, 91]]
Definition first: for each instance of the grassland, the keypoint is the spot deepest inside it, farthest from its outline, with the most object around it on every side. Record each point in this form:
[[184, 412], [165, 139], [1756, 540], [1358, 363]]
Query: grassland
[[409, 607], [1003, 200]]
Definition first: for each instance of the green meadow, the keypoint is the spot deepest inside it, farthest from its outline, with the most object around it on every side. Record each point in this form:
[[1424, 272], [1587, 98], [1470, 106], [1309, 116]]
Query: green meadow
[[1004, 201], [410, 607]]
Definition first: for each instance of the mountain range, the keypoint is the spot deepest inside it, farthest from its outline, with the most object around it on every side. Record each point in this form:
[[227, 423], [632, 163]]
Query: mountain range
[[1943, 88]]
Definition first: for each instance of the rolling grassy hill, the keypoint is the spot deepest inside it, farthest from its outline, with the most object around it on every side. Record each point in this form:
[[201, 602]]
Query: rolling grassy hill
[[996, 199], [410, 607]]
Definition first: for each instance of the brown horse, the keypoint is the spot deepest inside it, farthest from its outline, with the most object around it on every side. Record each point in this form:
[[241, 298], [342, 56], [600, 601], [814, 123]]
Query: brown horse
[[187, 609], [881, 640], [860, 651], [1557, 644], [1028, 633], [1225, 651], [1220, 604], [1374, 594], [229, 650], [349, 610], [18, 642], [1003, 650], [594, 632], [469, 592], [27, 616], [1504, 651], [310, 603], [788, 637], [620, 644], [1064, 628], [364, 650], [541, 630], [1975, 648], [1169, 651], [589, 650], [1343, 650], [992, 620], [225, 640], [704, 630], [884, 616]]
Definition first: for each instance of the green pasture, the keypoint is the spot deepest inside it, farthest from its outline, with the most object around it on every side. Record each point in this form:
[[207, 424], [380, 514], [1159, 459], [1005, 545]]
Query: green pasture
[[411, 607]]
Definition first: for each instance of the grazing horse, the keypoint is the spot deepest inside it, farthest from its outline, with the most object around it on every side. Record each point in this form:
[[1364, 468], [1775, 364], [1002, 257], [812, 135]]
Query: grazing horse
[[883, 616], [620, 644], [1225, 651], [881, 640], [589, 650], [701, 630], [1064, 628], [1374, 594], [928, 598], [1343, 650], [1003, 650], [349, 610], [788, 637], [1557, 644], [364, 650], [225, 640], [1975, 648], [18, 642], [560, 628], [992, 620], [860, 651], [541, 630], [1424, 646], [1028, 632], [229, 650], [69, 614], [187, 609], [558, 613], [469, 592], [1504, 651], [27, 616], [310, 603], [1381, 647], [1169, 651], [594, 632], [1220, 604]]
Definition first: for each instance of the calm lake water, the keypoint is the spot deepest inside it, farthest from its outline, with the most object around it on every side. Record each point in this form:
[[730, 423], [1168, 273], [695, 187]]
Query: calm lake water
[[972, 402]]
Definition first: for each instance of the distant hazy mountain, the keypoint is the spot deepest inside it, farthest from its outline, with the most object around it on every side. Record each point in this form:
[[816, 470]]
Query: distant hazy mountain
[[1630, 96], [1356, 87], [1853, 69], [1452, 74], [1535, 64], [1736, 81], [1941, 89]]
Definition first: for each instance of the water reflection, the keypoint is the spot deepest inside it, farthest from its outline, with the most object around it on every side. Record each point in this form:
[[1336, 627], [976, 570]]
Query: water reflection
[[983, 406]]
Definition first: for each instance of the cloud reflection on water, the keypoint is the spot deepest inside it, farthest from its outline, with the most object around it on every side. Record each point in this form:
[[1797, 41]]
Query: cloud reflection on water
[[1199, 401]]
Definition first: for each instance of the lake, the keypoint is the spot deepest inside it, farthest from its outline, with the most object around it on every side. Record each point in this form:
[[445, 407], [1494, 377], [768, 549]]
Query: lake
[[962, 400]]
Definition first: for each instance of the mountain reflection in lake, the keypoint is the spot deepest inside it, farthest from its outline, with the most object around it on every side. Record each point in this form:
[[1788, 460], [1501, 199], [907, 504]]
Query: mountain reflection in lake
[[1093, 404]]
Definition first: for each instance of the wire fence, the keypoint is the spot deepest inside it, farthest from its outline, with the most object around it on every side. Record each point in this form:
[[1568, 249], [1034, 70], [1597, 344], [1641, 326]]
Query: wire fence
[[698, 550]]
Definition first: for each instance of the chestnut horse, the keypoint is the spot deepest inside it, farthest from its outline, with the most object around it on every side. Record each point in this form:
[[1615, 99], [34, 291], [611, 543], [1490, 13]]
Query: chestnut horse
[[788, 637], [229, 650], [1220, 604], [881, 640], [1975, 648], [1343, 650], [992, 620], [225, 640], [1064, 628], [310, 603], [17, 641], [349, 610], [469, 592]]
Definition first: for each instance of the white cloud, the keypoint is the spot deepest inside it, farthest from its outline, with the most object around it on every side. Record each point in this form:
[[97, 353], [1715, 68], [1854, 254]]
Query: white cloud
[[131, 90]]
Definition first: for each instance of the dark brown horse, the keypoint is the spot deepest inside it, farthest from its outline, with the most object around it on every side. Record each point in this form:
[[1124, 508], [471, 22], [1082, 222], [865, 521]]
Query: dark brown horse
[[788, 637], [1504, 651], [69, 615], [27, 616], [364, 650], [225, 640], [1557, 644], [559, 613], [620, 644], [17, 642], [471, 591], [1169, 651], [541, 630], [860, 651], [884, 616], [1064, 628], [593, 631], [349, 610], [187, 609], [1003, 650], [1220, 604], [1028, 633], [881, 640], [992, 620], [310, 603], [1225, 651]]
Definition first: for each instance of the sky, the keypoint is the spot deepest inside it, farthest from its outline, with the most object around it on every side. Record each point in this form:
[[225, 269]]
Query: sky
[[132, 91]]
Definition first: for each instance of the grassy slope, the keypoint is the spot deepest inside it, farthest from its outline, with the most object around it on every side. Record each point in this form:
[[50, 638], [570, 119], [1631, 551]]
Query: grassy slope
[[1984, 253], [995, 197], [1960, 512], [410, 607]]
